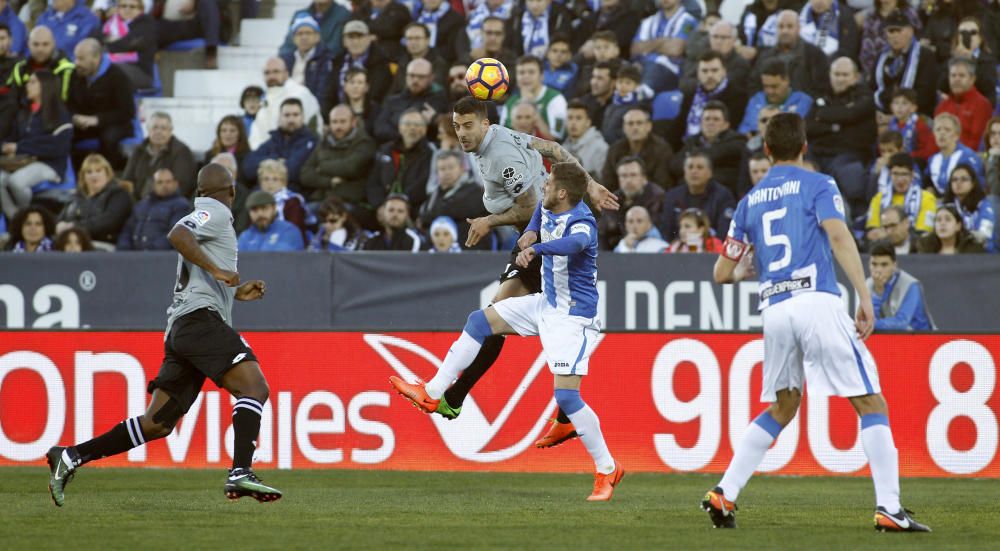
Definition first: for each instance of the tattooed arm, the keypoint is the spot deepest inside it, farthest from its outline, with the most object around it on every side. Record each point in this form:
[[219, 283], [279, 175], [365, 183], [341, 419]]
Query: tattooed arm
[[599, 194], [517, 215]]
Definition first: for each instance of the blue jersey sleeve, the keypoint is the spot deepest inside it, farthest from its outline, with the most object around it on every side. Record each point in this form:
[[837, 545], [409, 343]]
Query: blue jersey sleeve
[[828, 201], [578, 237], [737, 227], [535, 224]]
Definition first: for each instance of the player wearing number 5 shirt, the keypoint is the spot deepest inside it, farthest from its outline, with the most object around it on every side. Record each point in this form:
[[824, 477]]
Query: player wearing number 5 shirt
[[791, 227]]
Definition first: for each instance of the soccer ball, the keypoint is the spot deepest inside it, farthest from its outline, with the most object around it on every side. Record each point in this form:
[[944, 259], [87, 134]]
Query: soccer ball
[[487, 79]]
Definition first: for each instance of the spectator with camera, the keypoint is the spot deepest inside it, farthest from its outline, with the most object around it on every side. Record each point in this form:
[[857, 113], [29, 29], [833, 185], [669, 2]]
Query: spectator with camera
[[396, 233], [101, 205], [268, 233], [456, 197], [641, 236], [338, 230], [154, 216], [898, 298], [965, 102], [31, 231]]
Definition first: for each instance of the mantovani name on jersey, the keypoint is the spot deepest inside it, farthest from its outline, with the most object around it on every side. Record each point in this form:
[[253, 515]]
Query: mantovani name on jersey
[[762, 195]]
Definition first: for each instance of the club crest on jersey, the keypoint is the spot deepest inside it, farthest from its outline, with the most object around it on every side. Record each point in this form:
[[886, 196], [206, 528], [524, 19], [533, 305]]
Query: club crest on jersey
[[202, 217], [838, 203]]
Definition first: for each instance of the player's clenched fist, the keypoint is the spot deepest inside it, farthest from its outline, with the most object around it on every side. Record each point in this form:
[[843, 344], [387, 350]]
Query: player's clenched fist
[[527, 239], [251, 290], [525, 257], [231, 279]]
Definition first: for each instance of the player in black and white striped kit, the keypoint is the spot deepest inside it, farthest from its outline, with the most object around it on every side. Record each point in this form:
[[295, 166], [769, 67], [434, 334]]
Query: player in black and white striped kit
[[513, 173]]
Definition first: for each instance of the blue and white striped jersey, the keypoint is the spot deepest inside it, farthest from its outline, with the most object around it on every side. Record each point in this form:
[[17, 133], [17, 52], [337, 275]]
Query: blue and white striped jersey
[[569, 260]]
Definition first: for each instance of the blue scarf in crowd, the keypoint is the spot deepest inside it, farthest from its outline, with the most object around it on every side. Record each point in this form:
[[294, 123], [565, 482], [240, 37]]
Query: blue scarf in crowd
[[431, 18], [701, 97]]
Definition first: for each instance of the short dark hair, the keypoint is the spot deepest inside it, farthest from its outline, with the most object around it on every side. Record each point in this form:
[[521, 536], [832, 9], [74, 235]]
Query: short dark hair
[[758, 156], [427, 32], [883, 247], [470, 106], [571, 177], [899, 210], [710, 55], [909, 93], [17, 223], [975, 196], [82, 235], [611, 65], [292, 101], [528, 59], [775, 68], [891, 136], [785, 136], [902, 160], [699, 154], [450, 154], [560, 37], [630, 72], [497, 19], [577, 104], [716, 105], [629, 159], [606, 36]]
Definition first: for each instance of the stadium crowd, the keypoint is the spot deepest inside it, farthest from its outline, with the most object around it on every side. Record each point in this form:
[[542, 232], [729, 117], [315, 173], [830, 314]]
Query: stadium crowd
[[349, 145]]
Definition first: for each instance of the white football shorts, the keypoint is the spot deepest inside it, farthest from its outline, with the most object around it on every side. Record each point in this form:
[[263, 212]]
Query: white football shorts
[[811, 337], [568, 341]]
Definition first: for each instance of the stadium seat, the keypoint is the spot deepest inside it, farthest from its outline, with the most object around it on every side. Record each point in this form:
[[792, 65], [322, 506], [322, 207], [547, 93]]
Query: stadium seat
[[53, 195], [186, 45], [93, 145], [154, 91], [667, 105]]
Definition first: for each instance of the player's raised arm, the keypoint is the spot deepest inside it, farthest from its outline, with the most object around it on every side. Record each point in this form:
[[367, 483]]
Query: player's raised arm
[[599, 195], [846, 251], [519, 214], [184, 241]]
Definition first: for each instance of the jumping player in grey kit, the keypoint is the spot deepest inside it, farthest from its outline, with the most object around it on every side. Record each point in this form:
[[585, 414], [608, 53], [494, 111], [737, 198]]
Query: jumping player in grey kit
[[513, 173], [199, 342]]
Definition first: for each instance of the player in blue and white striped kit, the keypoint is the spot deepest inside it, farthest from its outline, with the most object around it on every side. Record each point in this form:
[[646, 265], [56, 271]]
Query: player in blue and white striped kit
[[793, 221], [563, 315]]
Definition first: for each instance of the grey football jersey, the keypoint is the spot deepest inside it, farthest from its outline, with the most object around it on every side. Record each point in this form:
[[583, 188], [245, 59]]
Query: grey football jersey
[[212, 225], [509, 166]]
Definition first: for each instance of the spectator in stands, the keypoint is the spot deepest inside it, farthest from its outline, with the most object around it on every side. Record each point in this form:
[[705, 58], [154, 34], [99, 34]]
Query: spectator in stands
[[70, 22], [560, 70], [330, 18], [268, 233], [839, 127], [456, 197], [755, 146], [444, 236], [758, 26], [949, 236], [241, 218], [698, 190], [448, 141], [583, 141], [418, 46], [723, 145], [635, 190], [965, 191], [42, 147], [361, 52], [130, 36], [904, 64], [230, 137], [601, 47], [550, 103], [525, 119], [43, 56], [941, 21], [418, 95], [15, 29], [951, 153], [968, 43], [161, 149], [310, 62], [402, 166], [757, 167], [616, 17], [806, 66], [358, 98], [991, 157], [639, 140], [873, 37], [641, 236], [777, 90], [31, 231], [387, 20], [659, 44], [722, 40], [154, 216], [494, 33], [991, 25], [898, 297], [965, 102], [251, 101], [695, 234], [447, 29], [338, 231], [100, 205], [273, 178], [396, 233], [697, 42], [890, 142], [280, 88], [9, 97], [915, 128], [829, 25], [712, 84], [534, 24], [626, 97], [100, 99], [602, 82], [73, 240], [340, 164], [919, 204], [897, 229], [477, 15], [181, 20], [292, 141]]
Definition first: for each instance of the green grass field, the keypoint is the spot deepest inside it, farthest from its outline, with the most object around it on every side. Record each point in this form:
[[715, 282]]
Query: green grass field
[[129, 508]]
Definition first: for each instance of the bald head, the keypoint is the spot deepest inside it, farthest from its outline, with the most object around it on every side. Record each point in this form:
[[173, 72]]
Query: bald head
[[275, 72], [419, 75], [788, 28], [342, 121], [41, 44], [722, 37], [216, 181], [843, 74], [88, 56]]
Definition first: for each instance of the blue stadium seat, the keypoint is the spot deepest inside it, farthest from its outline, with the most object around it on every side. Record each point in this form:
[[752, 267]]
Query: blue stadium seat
[[667, 105], [92, 145], [154, 91], [64, 188], [3, 223], [186, 45]]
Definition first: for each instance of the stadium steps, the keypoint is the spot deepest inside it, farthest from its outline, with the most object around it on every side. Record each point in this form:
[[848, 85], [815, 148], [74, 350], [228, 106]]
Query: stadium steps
[[244, 58], [194, 118]]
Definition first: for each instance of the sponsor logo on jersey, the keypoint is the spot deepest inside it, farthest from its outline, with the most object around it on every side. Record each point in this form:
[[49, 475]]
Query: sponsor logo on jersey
[[202, 217], [511, 176], [786, 287]]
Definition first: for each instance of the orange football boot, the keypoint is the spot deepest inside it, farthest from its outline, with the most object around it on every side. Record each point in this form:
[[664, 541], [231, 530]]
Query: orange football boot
[[557, 434], [415, 393], [719, 509], [604, 484]]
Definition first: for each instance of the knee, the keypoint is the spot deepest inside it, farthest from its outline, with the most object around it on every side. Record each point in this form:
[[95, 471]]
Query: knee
[[258, 390], [154, 430], [784, 410], [569, 401]]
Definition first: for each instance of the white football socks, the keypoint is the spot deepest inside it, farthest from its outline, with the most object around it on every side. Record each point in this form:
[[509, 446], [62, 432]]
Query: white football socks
[[461, 354], [755, 443], [884, 462], [588, 427]]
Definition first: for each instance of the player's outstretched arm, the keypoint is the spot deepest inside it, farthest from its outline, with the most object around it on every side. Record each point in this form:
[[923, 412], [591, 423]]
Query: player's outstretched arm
[[728, 270], [518, 215], [599, 195], [846, 252], [187, 245]]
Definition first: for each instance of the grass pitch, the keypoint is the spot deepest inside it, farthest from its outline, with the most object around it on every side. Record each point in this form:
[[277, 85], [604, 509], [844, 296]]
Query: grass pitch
[[185, 509]]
